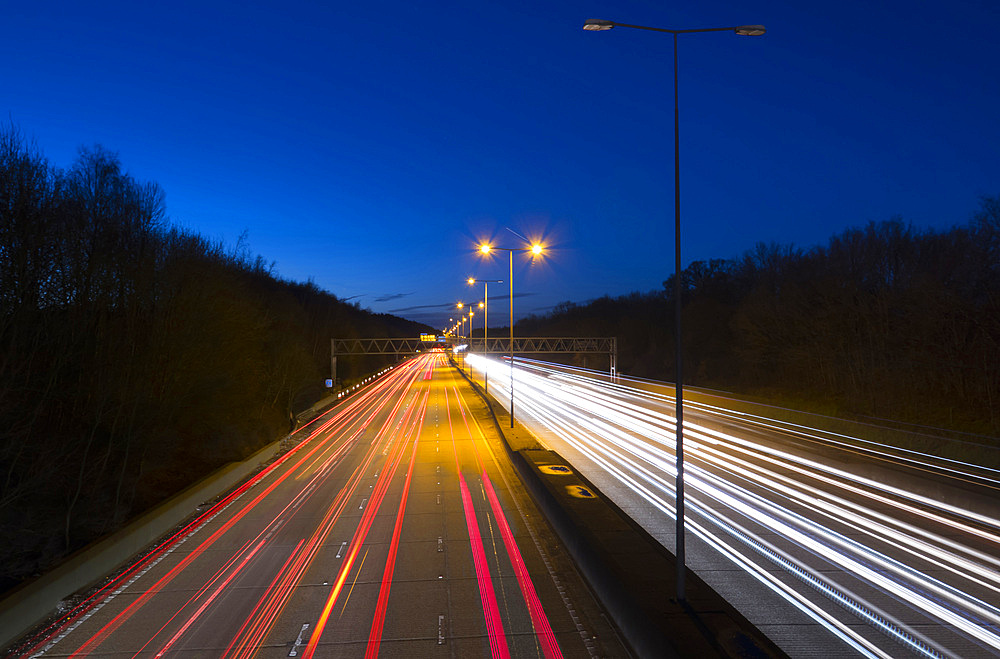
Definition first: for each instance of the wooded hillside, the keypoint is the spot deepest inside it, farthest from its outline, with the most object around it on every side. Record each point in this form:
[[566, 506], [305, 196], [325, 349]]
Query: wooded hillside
[[135, 357]]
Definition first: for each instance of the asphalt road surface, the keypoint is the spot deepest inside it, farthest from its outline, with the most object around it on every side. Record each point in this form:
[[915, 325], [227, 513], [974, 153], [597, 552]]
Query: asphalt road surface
[[396, 528]]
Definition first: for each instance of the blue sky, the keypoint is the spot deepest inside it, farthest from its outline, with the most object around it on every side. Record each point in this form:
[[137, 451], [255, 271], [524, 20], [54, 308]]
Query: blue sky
[[368, 146]]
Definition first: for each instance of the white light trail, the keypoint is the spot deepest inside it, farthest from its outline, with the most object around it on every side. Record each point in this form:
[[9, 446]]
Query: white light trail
[[841, 533]]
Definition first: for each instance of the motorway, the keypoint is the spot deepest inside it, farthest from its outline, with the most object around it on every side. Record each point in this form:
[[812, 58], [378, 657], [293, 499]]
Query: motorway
[[395, 527], [830, 545]]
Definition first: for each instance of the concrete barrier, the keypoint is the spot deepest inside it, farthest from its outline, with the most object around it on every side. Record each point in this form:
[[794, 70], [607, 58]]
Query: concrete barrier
[[628, 570]]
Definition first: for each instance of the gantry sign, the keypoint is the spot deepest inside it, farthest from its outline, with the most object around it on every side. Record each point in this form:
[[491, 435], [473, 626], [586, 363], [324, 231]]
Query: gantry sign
[[538, 345]]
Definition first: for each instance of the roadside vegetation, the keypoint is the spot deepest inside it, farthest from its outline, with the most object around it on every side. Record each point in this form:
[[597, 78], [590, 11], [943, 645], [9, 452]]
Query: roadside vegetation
[[136, 357], [885, 321]]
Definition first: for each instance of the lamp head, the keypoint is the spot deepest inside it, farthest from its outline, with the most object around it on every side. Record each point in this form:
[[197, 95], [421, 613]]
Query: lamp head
[[536, 248], [485, 249], [750, 30], [597, 25], [471, 281]]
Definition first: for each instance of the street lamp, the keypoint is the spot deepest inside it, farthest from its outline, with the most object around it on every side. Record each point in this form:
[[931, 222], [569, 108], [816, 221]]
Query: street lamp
[[485, 306], [743, 30], [534, 250]]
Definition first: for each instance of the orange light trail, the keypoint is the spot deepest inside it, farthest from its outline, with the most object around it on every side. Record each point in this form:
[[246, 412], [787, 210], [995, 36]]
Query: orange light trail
[[375, 637], [539, 620], [487, 595], [97, 639], [377, 496]]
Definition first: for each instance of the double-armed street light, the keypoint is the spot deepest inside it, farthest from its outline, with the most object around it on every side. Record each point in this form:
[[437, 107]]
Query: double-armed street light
[[485, 306], [534, 250], [743, 30]]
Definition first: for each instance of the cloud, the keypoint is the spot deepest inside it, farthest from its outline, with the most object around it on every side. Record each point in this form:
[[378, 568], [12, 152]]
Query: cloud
[[392, 296], [446, 305], [451, 305]]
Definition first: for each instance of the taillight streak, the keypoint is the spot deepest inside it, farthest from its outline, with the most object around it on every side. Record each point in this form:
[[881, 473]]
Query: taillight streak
[[375, 636], [129, 611], [204, 605], [367, 518], [487, 595], [274, 600], [539, 620]]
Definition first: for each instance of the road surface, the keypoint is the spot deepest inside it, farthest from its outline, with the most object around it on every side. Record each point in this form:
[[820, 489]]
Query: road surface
[[395, 528]]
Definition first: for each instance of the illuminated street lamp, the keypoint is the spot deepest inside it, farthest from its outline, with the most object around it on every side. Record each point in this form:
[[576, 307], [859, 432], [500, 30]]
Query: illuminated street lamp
[[743, 30], [485, 306], [534, 250]]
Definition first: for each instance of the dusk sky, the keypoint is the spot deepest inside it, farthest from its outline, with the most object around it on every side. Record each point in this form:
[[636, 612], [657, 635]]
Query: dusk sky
[[371, 145]]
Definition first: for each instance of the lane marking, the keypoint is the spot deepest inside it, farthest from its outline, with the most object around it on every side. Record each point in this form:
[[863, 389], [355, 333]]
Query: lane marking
[[298, 640], [340, 551]]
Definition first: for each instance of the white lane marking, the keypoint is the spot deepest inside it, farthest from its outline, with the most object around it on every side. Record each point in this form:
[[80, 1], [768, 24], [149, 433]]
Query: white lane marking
[[440, 630], [298, 640], [363, 503], [341, 550], [131, 581]]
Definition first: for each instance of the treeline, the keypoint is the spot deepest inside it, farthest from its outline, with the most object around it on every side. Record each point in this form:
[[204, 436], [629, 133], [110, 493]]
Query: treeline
[[136, 357], [884, 321]]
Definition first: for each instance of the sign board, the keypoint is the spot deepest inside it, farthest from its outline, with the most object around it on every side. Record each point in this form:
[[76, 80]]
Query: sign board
[[428, 337], [329, 383]]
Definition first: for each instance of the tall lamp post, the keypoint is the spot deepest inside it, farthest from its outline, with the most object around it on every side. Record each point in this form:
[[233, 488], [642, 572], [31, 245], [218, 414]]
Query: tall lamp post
[[744, 30], [486, 324], [469, 342], [535, 250]]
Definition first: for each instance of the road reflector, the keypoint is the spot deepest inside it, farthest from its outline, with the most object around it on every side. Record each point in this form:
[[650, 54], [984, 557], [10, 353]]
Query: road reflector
[[555, 470]]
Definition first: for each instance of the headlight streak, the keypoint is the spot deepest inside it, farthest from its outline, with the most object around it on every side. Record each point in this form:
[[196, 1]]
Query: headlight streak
[[781, 522], [875, 617], [841, 509], [824, 618], [610, 424], [846, 476], [987, 476]]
